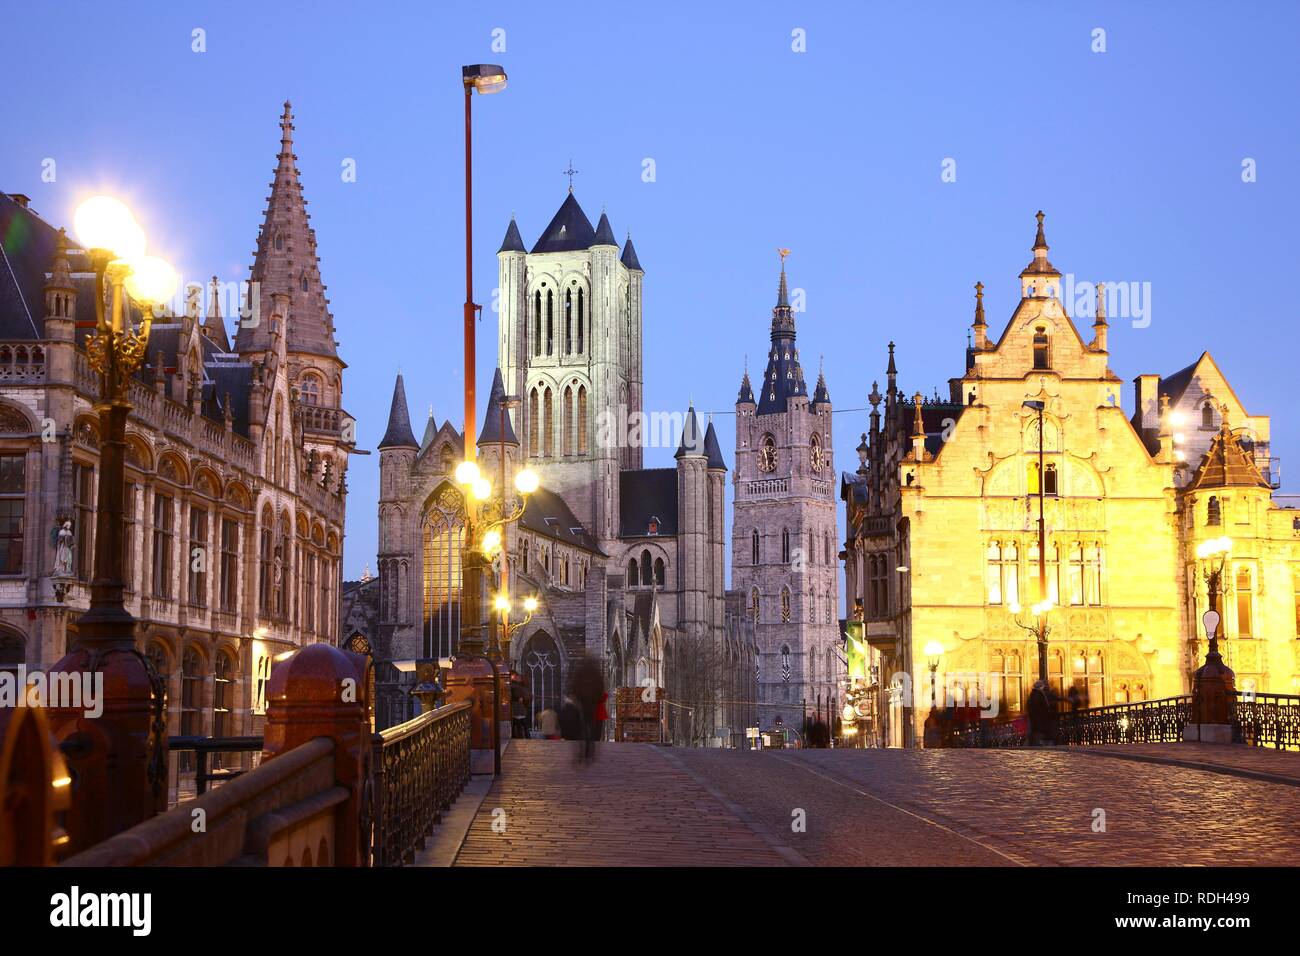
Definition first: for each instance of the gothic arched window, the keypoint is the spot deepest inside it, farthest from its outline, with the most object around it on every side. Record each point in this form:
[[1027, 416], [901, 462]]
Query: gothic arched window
[[309, 390], [632, 576], [659, 571], [754, 605], [537, 322], [548, 425], [754, 546], [582, 419], [646, 569], [550, 323], [1207, 415], [568, 321], [533, 449], [443, 528], [582, 320], [785, 663], [785, 605], [567, 424]]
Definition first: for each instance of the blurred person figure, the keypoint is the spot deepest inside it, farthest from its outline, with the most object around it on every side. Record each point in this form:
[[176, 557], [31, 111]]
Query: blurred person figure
[[587, 688]]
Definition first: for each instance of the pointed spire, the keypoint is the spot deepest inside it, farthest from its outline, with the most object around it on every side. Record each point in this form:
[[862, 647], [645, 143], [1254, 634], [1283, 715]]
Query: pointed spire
[[712, 450], [892, 370], [746, 391], [1040, 265], [979, 325], [821, 395], [399, 433], [605, 232], [692, 443], [513, 242], [213, 326], [430, 431], [492, 433], [286, 263], [629, 258], [918, 423]]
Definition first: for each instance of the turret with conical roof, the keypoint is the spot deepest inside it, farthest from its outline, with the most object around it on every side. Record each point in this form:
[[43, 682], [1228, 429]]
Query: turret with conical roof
[[492, 432], [605, 232], [399, 434], [513, 242], [214, 327], [628, 258]]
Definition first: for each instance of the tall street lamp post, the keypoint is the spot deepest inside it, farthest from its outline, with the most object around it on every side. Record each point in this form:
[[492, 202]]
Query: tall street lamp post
[[1214, 683], [473, 676], [120, 758]]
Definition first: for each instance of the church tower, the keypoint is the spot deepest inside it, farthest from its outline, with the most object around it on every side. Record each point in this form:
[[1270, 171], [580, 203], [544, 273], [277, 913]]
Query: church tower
[[570, 350], [784, 538]]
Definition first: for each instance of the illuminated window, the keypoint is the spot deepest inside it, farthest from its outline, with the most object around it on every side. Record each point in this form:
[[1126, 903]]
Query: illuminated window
[[1244, 603], [1003, 565], [1008, 679], [1042, 357], [163, 544], [1214, 512], [13, 491], [443, 531]]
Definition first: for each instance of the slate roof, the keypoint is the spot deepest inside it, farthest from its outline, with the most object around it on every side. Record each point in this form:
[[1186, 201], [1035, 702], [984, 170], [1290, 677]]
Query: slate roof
[[513, 242], [692, 442], [491, 433], [713, 450], [783, 378], [628, 258], [822, 395], [604, 232], [746, 392], [569, 230], [399, 434], [644, 494], [546, 513]]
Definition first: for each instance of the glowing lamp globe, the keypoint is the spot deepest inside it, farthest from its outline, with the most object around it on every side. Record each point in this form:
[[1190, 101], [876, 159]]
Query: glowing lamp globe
[[502, 604], [526, 481], [491, 541], [530, 604], [151, 280], [103, 222], [466, 473], [933, 649], [482, 489]]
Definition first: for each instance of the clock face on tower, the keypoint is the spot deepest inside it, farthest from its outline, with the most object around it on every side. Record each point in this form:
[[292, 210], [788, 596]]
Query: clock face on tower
[[767, 455], [816, 455]]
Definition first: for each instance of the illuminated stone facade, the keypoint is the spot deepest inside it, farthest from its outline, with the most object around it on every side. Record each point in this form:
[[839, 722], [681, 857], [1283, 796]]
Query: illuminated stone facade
[[943, 523]]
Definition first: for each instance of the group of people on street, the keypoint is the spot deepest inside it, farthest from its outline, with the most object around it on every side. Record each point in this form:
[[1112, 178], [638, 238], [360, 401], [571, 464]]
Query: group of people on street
[[581, 716]]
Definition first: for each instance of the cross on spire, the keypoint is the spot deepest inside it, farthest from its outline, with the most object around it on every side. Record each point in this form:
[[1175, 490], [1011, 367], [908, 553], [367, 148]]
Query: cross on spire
[[570, 172]]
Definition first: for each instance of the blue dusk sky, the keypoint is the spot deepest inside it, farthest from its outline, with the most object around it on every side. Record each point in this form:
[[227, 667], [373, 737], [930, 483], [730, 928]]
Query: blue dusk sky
[[838, 152]]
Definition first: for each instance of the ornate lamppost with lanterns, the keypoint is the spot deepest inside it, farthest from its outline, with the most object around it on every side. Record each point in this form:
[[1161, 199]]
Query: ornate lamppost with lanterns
[[1214, 683], [119, 759]]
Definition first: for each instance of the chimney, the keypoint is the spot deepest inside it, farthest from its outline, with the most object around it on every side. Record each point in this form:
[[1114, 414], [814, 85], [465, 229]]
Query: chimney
[[1146, 394], [20, 199]]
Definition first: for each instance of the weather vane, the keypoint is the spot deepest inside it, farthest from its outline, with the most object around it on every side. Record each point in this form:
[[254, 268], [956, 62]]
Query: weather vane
[[780, 252], [570, 172]]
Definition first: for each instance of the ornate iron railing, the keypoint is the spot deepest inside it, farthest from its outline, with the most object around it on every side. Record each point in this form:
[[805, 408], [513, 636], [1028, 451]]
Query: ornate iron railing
[[1140, 722], [989, 733], [417, 771], [1266, 720]]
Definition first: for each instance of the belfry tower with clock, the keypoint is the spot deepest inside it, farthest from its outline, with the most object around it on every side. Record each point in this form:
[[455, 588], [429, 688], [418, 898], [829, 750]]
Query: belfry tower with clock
[[784, 538]]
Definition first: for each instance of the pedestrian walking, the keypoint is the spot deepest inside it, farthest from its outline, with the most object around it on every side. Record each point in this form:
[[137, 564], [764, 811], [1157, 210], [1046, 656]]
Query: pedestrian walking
[[1042, 720], [521, 699], [548, 724], [587, 687]]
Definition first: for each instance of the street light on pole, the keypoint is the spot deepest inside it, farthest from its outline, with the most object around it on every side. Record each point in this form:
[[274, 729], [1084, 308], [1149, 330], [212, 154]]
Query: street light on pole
[[123, 764], [1043, 602]]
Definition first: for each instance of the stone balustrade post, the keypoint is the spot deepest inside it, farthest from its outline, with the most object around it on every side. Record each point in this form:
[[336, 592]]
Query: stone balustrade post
[[322, 691]]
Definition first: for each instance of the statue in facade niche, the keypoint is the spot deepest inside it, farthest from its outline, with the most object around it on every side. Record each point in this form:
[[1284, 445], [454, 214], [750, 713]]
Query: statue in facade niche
[[64, 547]]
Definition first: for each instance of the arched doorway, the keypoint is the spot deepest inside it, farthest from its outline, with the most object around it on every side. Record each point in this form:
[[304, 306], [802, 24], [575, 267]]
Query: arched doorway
[[542, 670]]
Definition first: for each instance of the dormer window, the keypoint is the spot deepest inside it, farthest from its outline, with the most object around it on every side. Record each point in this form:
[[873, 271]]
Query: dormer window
[[1042, 357], [652, 527], [1207, 415]]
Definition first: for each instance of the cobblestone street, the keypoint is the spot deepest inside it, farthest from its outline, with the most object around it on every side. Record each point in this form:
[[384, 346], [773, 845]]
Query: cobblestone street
[[647, 805]]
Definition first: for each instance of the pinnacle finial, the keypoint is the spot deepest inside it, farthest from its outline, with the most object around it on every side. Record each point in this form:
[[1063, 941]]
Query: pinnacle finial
[[1101, 304], [1040, 240], [979, 303]]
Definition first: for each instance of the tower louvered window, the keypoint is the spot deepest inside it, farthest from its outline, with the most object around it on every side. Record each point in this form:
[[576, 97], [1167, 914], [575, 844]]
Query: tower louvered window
[[567, 425], [550, 323], [582, 415], [533, 448], [548, 425], [568, 321], [582, 321], [537, 322]]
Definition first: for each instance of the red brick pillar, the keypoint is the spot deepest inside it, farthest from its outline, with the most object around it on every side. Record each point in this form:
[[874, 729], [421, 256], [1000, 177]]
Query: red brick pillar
[[322, 691]]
